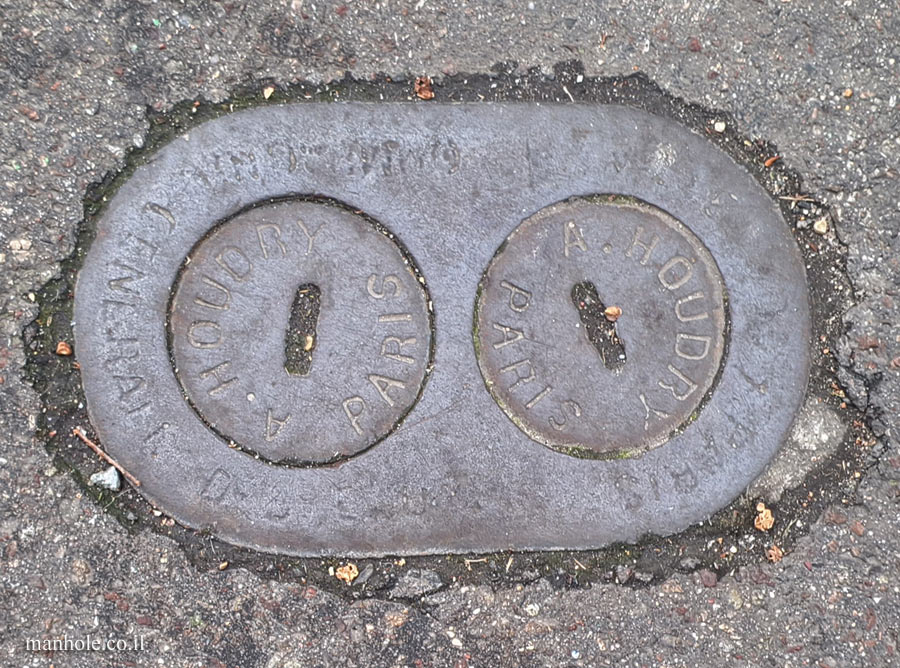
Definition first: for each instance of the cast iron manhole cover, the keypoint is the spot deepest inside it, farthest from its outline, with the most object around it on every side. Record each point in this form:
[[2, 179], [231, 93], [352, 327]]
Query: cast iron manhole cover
[[300, 332], [254, 327], [601, 326]]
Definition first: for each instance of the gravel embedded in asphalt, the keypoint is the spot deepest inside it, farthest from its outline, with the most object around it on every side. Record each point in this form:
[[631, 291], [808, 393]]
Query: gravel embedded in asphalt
[[76, 82]]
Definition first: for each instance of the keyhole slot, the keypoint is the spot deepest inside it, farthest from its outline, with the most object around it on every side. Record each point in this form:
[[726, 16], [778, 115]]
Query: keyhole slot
[[300, 337], [599, 329]]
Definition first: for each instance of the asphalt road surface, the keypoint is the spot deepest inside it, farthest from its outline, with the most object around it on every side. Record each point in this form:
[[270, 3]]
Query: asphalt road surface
[[821, 81]]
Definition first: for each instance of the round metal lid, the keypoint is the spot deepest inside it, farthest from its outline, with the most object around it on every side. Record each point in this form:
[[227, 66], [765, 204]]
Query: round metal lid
[[299, 332], [601, 326]]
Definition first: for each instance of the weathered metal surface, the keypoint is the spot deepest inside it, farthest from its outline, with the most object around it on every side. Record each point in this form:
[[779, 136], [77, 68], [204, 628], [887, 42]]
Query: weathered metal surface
[[544, 361], [451, 182], [233, 310]]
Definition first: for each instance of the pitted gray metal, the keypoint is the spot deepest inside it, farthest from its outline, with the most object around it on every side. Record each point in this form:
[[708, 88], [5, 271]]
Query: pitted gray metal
[[231, 314], [538, 356], [452, 182]]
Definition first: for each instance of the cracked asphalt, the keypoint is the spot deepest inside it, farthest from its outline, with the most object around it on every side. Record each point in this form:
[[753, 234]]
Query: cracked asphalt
[[820, 80]]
